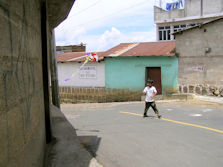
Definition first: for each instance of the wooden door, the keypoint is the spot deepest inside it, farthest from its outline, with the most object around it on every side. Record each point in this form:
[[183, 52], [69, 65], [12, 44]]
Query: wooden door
[[154, 73]]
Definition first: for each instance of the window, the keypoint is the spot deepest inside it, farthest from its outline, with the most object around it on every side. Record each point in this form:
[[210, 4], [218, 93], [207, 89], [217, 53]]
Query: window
[[164, 33], [160, 35], [168, 36], [179, 27], [183, 26]]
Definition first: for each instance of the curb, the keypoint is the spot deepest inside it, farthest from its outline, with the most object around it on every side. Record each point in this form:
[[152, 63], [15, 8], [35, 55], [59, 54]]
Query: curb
[[218, 100]]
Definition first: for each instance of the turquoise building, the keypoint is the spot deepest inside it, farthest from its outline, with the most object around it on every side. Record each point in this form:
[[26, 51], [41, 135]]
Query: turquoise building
[[129, 65]]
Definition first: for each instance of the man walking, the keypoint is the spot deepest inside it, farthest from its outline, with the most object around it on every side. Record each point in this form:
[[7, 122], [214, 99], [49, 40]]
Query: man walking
[[150, 92]]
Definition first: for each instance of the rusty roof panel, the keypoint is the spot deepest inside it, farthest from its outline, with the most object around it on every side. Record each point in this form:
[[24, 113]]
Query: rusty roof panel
[[163, 48], [124, 49], [116, 49], [152, 49]]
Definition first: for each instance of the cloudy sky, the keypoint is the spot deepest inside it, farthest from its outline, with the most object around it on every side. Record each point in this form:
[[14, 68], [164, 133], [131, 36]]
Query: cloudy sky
[[102, 24]]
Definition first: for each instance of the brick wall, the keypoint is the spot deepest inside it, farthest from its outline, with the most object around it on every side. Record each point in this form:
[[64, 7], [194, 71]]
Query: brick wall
[[100, 95]]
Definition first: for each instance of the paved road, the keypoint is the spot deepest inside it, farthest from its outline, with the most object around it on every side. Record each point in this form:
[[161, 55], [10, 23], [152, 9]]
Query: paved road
[[190, 134]]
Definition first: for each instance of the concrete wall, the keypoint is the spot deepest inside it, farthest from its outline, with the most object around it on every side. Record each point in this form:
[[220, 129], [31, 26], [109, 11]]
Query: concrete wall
[[211, 7], [22, 124], [192, 10], [196, 66], [129, 72], [66, 70]]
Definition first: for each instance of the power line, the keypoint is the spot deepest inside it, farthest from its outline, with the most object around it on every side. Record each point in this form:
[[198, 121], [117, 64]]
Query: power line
[[112, 14], [77, 13]]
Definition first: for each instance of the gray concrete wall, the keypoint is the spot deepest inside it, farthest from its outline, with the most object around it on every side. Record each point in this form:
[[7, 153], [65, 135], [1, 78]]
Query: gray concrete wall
[[26, 39], [210, 7], [192, 10], [196, 66], [22, 124]]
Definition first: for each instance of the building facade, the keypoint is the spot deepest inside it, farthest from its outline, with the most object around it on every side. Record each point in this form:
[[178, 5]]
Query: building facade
[[200, 55], [27, 42], [191, 13], [121, 74], [132, 72], [128, 66], [72, 70]]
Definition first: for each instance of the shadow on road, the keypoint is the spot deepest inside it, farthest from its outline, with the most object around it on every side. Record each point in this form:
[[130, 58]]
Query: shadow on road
[[90, 143], [67, 149]]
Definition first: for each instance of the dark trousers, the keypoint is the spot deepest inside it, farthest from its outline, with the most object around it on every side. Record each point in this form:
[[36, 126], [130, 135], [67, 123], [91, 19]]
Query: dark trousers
[[153, 105]]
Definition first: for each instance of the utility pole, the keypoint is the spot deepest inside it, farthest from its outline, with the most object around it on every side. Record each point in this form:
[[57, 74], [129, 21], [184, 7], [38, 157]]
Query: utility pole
[[201, 8]]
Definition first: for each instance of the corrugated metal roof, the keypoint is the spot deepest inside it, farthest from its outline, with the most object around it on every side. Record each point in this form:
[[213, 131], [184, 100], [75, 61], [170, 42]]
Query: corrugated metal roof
[[124, 49], [117, 48], [162, 48], [75, 56]]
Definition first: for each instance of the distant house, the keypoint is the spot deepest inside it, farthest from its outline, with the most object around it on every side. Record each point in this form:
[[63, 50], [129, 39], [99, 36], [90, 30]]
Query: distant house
[[71, 48], [120, 74], [129, 65], [200, 54], [70, 74]]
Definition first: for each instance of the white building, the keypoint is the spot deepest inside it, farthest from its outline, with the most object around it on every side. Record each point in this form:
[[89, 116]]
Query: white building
[[173, 15], [73, 72]]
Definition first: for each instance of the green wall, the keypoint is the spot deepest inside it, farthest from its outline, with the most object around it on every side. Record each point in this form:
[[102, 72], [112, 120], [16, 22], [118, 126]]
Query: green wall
[[129, 72]]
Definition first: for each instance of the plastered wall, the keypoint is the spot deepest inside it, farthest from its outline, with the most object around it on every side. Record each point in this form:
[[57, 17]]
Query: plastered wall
[[22, 127], [201, 56]]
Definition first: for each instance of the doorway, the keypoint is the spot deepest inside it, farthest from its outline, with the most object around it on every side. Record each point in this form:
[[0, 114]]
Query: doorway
[[154, 73]]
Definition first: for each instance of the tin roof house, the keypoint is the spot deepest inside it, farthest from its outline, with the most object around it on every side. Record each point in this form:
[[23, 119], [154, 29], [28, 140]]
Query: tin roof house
[[129, 65]]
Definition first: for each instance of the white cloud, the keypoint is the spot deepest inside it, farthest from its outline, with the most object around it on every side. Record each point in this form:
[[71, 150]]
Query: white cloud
[[90, 15], [101, 12], [144, 36], [113, 37], [109, 38], [69, 36]]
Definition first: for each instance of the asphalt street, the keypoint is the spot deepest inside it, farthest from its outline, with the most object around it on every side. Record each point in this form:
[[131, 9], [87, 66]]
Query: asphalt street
[[190, 134]]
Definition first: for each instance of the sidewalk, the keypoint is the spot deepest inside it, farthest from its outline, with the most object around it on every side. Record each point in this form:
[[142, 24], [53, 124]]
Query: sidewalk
[[189, 96], [210, 99], [65, 150]]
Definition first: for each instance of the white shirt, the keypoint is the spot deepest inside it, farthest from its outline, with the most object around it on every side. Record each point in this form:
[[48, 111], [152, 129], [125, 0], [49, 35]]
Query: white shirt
[[149, 93]]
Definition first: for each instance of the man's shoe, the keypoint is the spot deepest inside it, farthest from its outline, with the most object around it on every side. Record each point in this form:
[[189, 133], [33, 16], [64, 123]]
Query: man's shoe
[[145, 116], [159, 116]]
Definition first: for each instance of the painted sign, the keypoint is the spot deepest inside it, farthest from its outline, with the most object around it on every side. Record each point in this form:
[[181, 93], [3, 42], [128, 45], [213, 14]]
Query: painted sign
[[197, 68], [88, 72]]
